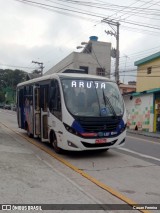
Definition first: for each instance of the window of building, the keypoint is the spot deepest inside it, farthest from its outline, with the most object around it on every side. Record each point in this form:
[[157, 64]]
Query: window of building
[[84, 68], [100, 71], [149, 70]]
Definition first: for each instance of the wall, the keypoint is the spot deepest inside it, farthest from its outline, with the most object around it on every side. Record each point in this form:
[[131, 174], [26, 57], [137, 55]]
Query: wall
[[140, 112], [102, 52], [100, 56], [85, 59], [149, 82]]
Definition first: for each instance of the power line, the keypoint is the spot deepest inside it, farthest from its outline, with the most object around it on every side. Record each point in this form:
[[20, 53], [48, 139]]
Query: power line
[[45, 6], [140, 30], [7, 65], [109, 6], [66, 13], [136, 10]]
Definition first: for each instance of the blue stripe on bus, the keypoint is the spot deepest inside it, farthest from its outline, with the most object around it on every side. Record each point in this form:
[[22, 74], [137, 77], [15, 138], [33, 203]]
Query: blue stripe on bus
[[77, 127]]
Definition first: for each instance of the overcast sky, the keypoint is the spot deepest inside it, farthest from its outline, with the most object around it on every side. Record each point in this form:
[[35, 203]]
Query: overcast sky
[[32, 33]]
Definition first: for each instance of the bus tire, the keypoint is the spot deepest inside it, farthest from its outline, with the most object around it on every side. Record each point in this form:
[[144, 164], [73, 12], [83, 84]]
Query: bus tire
[[53, 142]]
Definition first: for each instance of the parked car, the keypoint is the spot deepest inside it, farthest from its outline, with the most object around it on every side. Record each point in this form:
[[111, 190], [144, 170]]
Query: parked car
[[1, 105], [7, 106]]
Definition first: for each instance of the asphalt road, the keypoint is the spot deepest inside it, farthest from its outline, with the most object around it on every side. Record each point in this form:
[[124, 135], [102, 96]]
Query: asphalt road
[[137, 145], [132, 170], [142, 147]]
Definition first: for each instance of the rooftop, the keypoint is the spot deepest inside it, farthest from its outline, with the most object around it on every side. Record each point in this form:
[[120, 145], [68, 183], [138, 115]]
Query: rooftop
[[145, 92], [147, 59]]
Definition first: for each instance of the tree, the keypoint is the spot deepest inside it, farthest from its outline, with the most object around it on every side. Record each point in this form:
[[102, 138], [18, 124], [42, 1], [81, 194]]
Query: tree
[[10, 78], [2, 97], [38, 72], [18, 76], [8, 83]]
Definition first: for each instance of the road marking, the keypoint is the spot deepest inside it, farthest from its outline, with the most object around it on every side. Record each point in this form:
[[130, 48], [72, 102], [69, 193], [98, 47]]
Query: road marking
[[71, 181], [76, 169], [141, 155], [142, 139]]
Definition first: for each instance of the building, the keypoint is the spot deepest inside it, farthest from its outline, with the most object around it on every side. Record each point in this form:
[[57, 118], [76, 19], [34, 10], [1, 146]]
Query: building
[[30, 76], [148, 72], [95, 59], [143, 110], [127, 88]]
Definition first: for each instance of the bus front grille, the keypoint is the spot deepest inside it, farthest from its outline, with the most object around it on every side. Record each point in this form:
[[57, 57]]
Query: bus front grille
[[99, 124]]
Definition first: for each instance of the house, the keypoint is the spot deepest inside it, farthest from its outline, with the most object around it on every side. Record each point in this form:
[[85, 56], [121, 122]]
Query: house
[[95, 59], [143, 110], [127, 88], [148, 72], [143, 106]]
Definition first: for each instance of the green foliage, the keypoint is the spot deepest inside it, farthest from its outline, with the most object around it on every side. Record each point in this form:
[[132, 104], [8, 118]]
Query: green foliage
[[10, 78], [2, 97], [8, 83]]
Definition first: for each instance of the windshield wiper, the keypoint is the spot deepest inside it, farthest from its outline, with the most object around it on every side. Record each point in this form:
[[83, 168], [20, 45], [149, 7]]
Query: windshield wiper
[[107, 101]]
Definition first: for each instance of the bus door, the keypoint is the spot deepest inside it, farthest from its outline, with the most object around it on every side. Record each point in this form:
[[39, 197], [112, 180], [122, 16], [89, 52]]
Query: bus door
[[37, 117], [44, 90], [20, 108]]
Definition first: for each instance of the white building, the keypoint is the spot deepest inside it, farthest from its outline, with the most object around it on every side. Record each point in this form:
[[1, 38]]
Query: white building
[[95, 59], [140, 113]]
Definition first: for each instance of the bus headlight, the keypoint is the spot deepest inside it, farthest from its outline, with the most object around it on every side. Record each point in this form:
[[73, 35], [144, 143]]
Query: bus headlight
[[70, 129], [122, 129]]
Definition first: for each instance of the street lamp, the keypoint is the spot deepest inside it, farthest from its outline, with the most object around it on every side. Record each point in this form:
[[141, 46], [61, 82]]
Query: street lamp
[[84, 43], [79, 47]]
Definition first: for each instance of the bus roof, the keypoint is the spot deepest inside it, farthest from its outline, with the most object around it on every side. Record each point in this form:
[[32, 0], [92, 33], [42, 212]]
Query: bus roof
[[67, 75]]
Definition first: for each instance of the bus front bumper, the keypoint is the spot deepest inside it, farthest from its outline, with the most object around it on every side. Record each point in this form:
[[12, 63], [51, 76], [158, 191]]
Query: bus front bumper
[[74, 143]]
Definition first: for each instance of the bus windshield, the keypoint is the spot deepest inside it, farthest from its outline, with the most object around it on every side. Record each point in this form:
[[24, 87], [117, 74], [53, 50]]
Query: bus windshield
[[94, 98]]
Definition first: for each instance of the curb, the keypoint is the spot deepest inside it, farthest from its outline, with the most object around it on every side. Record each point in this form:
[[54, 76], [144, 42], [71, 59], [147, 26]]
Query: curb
[[152, 135]]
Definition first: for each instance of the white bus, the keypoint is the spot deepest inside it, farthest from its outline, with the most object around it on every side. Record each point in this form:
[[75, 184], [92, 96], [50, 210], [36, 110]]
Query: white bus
[[72, 111]]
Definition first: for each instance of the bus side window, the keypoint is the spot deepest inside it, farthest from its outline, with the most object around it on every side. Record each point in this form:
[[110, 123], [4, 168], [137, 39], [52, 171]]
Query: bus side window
[[21, 97], [55, 100], [37, 99], [44, 97]]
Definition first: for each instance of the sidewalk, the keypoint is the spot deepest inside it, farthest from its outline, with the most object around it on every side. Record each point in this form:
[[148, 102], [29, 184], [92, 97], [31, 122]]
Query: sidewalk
[[148, 134], [29, 176]]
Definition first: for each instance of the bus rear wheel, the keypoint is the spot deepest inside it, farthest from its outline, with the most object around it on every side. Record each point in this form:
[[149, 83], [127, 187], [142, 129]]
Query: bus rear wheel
[[53, 142]]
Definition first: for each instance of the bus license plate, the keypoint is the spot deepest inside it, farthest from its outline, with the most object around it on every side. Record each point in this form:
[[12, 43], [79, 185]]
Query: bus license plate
[[101, 140]]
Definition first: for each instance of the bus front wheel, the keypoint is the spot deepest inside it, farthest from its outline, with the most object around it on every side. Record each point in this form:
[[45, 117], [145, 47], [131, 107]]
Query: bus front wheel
[[53, 142]]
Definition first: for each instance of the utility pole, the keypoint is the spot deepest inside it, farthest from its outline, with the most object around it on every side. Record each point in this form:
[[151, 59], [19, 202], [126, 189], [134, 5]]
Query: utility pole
[[116, 34], [125, 66], [40, 66]]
